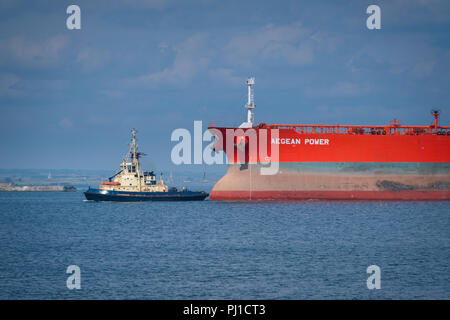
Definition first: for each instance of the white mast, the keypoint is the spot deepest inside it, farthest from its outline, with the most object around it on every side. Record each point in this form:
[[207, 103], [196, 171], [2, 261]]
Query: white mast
[[135, 157], [250, 104]]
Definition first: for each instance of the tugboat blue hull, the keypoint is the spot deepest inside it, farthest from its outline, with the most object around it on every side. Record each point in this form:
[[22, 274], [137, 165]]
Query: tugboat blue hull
[[127, 196]]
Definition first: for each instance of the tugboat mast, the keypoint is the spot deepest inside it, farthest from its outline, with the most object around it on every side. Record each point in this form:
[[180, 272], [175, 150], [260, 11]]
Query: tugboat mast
[[135, 156]]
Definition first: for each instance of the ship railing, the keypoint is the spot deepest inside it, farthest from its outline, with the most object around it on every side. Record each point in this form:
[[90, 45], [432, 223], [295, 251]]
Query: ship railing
[[365, 130]]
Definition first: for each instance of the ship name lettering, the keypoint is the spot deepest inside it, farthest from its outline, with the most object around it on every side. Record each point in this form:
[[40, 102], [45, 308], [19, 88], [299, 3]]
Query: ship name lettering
[[286, 141], [317, 141], [322, 142]]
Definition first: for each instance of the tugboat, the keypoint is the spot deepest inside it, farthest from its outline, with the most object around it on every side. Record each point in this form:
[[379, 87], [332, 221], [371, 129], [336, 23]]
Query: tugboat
[[130, 184]]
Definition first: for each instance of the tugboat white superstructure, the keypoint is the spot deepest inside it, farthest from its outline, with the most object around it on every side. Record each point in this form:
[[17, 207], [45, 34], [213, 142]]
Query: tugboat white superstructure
[[131, 184]]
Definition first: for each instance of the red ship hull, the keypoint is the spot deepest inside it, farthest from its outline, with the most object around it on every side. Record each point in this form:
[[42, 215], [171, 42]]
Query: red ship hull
[[335, 163], [329, 195]]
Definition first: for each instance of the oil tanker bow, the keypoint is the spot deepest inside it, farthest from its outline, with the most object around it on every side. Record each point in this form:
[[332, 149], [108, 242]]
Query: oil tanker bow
[[333, 162]]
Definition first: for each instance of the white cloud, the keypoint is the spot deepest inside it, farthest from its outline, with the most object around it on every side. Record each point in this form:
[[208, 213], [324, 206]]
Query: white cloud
[[92, 58], [155, 4], [227, 76], [423, 68], [401, 55], [414, 12], [191, 58], [338, 89], [286, 45], [344, 88], [289, 44], [7, 82], [33, 52], [163, 46], [113, 94], [380, 113], [65, 123]]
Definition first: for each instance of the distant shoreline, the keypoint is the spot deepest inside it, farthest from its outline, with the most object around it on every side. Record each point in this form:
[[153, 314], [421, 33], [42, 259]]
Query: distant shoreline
[[10, 187]]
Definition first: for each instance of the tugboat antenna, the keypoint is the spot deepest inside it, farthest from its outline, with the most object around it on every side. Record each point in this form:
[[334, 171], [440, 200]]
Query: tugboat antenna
[[133, 142]]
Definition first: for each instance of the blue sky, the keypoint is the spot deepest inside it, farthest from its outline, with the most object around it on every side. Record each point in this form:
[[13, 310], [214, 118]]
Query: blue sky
[[69, 98]]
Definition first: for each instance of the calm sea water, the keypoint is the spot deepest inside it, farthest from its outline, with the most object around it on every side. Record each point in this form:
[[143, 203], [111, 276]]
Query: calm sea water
[[220, 250]]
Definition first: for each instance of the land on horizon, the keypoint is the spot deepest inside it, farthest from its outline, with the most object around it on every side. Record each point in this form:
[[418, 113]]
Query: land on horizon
[[82, 178]]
